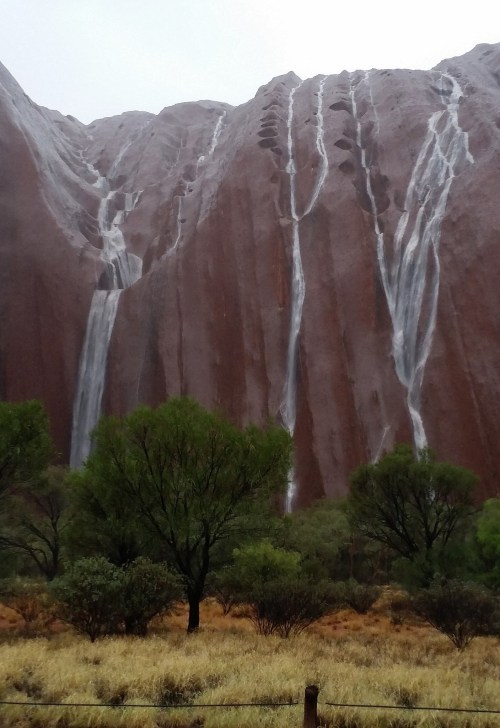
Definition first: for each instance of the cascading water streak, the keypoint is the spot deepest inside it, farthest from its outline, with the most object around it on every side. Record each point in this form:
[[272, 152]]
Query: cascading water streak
[[178, 236], [298, 288], [215, 139], [92, 372], [410, 273], [320, 146], [123, 269], [217, 133]]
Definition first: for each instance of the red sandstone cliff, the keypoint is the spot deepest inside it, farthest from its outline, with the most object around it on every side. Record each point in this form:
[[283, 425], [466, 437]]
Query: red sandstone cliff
[[327, 255]]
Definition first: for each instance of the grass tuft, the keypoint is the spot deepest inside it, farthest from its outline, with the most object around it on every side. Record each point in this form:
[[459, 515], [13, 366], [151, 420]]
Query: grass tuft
[[227, 663]]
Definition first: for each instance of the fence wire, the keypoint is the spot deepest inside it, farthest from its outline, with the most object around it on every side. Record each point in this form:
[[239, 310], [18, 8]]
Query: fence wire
[[412, 707], [157, 706], [289, 704]]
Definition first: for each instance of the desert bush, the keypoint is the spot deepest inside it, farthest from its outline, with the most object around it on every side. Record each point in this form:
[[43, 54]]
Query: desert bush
[[29, 598], [400, 608], [460, 610], [286, 607], [90, 596], [279, 597], [149, 590], [359, 597], [99, 598], [224, 588], [488, 543]]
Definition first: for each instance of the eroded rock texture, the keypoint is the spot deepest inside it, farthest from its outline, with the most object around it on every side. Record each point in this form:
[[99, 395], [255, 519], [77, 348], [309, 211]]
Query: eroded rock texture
[[326, 254]]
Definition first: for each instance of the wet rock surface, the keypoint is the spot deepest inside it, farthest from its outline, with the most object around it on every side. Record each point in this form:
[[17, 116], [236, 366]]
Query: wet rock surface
[[332, 263]]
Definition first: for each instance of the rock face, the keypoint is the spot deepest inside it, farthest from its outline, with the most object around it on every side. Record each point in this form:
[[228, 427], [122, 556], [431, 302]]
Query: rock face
[[326, 254]]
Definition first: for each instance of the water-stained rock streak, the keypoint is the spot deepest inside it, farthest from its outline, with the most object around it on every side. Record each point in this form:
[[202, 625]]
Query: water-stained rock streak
[[410, 268], [298, 288], [122, 269]]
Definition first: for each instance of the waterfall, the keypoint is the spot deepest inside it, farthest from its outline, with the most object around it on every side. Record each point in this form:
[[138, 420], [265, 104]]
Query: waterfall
[[125, 268], [92, 373], [215, 138], [122, 270], [178, 236], [410, 273], [298, 289], [217, 133]]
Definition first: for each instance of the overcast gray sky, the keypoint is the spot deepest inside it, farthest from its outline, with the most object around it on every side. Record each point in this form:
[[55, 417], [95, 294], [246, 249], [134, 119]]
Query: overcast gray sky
[[95, 58]]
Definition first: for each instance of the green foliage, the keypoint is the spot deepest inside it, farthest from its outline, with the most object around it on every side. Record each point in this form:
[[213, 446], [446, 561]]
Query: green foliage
[[149, 590], [90, 596], [329, 546], [103, 522], [460, 610], [193, 480], [285, 607], [262, 562], [415, 506], [321, 534], [278, 596], [25, 444], [360, 597], [488, 542], [224, 586], [34, 519], [25, 451], [99, 598]]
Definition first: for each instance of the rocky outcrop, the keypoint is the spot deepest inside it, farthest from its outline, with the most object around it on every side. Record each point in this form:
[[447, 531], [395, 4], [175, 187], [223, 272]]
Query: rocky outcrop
[[325, 254]]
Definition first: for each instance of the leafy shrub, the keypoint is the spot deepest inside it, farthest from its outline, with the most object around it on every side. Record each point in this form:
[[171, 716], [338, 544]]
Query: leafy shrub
[[460, 610], [359, 597], [279, 598], [488, 542], [99, 598], [149, 590], [287, 606], [224, 587], [90, 596]]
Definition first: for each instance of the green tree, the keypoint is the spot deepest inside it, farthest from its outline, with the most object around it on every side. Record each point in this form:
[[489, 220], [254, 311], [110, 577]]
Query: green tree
[[194, 480], [414, 505], [25, 444], [329, 546], [321, 534], [103, 522], [34, 519], [488, 542]]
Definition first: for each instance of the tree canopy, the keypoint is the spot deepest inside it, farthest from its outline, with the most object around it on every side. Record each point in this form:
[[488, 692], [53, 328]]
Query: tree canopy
[[29, 504], [25, 443], [192, 478], [34, 519], [412, 504], [488, 541]]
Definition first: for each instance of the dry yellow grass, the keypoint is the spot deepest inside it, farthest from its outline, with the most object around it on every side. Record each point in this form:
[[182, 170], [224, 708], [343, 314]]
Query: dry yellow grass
[[353, 659]]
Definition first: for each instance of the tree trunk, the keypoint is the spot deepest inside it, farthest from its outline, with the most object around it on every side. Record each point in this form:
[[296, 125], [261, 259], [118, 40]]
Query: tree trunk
[[194, 612]]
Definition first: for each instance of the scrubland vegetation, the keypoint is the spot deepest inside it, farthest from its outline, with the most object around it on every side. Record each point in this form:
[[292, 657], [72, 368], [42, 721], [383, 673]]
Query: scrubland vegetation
[[389, 597], [353, 659]]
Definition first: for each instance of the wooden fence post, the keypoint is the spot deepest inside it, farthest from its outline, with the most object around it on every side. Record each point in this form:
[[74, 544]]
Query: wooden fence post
[[311, 706]]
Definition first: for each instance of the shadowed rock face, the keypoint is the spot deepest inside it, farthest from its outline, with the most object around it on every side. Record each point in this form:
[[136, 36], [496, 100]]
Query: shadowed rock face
[[326, 254]]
